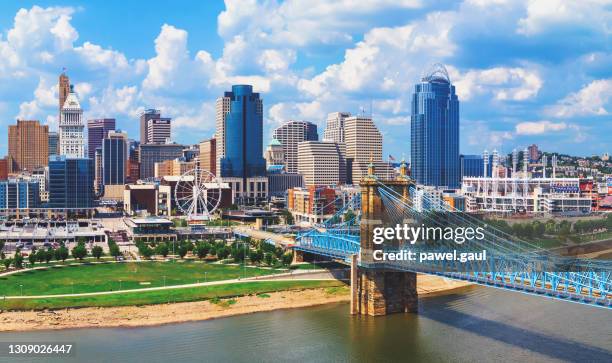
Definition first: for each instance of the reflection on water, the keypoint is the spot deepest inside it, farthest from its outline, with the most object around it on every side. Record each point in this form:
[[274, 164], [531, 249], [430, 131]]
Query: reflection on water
[[482, 324]]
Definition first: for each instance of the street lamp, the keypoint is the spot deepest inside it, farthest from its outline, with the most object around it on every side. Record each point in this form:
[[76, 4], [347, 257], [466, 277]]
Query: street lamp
[[205, 276], [164, 280], [21, 288]]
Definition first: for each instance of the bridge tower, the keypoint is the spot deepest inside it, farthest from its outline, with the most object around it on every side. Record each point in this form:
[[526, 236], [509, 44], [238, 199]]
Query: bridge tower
[[376, 290]]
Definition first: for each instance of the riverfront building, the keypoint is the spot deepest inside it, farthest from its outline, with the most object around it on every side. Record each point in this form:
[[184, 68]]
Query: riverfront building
[[434, 157], [71, 183]]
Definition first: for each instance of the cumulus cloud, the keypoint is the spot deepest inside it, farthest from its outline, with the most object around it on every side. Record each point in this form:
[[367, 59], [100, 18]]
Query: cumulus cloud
[[539, 127], [592, 99], [516, 84], [551, 15]]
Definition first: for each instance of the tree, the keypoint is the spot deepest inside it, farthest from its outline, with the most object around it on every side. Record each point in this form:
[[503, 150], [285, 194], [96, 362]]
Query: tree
[[32, 258], [41, 255], [18, 259], [1, 245], [49, 254], [268, 259], [256, 256], [115, 251], [7, 262], [61, 253], [146, 252], [223, 252], [182, 250], [97, 252], [162, 249], [79, 252], [278, 252], [287, 258], [202, 250]]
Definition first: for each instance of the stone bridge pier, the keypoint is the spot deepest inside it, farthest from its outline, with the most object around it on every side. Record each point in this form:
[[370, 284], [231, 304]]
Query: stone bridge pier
[[374, 289]]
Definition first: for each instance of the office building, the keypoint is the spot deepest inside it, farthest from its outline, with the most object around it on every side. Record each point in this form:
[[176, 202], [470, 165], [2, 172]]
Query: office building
[[322, 162], [99, 172], [97, 130], [28, 146], [154, 129], [334, 129], [208, 155], [222, 109], [534, 153], [4, 168], [279, 183], [19, 194], [434, 156], [363, 146], [314, 204], [175, 167], [114, 158], [149, 154], [242, 164], [71, 183], [472, 165], [71, 127], [63, 90], [290, 134], [53, 143]]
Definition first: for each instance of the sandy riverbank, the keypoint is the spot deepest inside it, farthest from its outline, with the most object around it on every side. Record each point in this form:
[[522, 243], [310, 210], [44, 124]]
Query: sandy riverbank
[[135, 316]]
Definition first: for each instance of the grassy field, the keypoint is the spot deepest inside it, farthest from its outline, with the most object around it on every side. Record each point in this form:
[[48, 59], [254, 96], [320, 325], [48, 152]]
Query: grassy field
[[171, 295], [119, 276]]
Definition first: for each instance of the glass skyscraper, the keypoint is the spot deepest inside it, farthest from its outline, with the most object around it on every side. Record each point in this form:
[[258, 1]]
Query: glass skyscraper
[[71, 183], [243, 134], [114, 156], [434, 156]]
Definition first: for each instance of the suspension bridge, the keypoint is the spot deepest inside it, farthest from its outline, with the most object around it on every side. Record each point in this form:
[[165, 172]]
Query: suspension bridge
[[389, 286]]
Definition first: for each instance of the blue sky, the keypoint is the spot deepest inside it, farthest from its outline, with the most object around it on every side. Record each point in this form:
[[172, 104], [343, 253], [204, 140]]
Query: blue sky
[[525, 71]]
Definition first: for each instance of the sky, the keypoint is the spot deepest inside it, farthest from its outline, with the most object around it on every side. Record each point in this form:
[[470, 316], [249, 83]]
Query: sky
[[525, 71]]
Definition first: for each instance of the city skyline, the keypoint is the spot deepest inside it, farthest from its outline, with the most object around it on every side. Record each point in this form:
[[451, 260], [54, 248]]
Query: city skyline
[[545, 91]]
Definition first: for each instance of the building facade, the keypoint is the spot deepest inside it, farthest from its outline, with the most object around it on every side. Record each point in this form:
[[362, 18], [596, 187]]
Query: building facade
[[289, 135], [114, 158], [28, 147], [207, 159], [71, 127], [334, 129], [53, 143], [71, 183], [97, 130], [322, 162], [154, 129], [472, 165], [149, 154], [314, 204], [274, 155], [63, 90], [19, 194], [175, 167], [363, 143], [434, 156]]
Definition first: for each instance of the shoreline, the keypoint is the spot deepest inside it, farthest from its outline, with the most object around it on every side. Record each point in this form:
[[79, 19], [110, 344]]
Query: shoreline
[[174, 313]]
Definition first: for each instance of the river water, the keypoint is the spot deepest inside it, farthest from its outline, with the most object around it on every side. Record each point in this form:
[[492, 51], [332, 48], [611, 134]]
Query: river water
[[480, 324]]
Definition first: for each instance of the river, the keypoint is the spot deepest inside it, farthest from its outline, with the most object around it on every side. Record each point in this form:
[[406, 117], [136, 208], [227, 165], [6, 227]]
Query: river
[[481, 324]]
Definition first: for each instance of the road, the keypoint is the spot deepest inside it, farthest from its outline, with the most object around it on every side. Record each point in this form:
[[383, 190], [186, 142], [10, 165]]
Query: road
[[278, 239]]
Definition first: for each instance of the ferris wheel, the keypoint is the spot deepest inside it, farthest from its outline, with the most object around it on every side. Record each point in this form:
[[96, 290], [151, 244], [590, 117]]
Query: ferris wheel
[[197, 194]]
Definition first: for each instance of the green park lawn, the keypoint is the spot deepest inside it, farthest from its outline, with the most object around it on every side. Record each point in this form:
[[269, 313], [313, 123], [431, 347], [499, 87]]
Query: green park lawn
[[119, 276], [170, 295]]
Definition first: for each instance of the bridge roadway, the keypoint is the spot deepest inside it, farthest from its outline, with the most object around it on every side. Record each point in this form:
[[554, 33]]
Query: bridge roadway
[[278, 239]]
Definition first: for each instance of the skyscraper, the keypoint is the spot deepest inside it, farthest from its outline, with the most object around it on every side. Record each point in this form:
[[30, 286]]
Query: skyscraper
[[435, 131], [53, 143], [242, 129], [28, 147], [154, 129], [222, 108], [290, 134], [64, 90], [71, 183], [363, 143], [114, 158], [208, 155], [334, 129], [322, 162], [72, 140], [97, 130]]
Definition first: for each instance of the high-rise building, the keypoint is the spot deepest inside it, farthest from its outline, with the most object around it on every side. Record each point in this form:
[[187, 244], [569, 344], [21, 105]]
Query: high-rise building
[[71, 127], [334, 129], [19, 194], [435, 131], [534, 153], [28, 147], [222, 109], [4, 168], [155, 153], [243, 134], [472, 165], [242, 164], [53, 143], [64, 90], [363, 143], [322, 162], [176, 167], [99, 171], [290, 134], [71, 183], [114, 158], [97, 130], [208, 155], [154, 129]]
